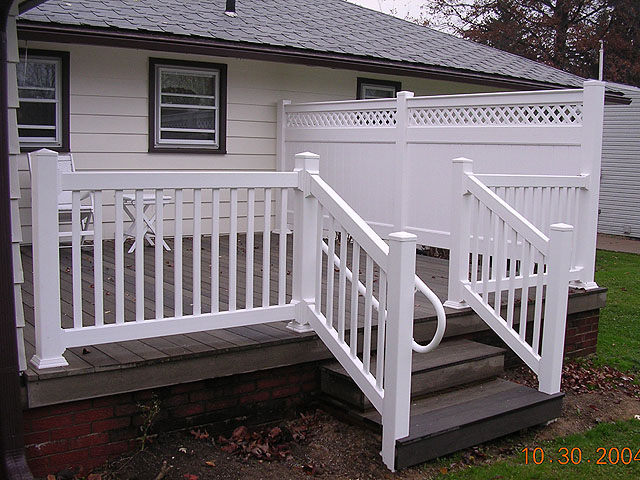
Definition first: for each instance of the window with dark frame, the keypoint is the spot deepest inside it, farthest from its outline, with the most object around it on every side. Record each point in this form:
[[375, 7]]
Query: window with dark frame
[[369, 88], [43, 93], [187, 106]]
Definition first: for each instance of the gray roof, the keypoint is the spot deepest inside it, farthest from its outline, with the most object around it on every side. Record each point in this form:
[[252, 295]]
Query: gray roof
[[326, 26]]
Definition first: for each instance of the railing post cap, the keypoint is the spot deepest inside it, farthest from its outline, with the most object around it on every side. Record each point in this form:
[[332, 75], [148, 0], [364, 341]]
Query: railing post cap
[[406, 94], [44, 152], [307, 155], [594, 83], [561, 227], [462, 160], [403, 237]]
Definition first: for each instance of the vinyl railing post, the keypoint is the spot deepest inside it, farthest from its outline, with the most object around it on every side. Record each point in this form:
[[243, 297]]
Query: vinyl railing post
[[591, 156], [281, 161], [45, 185], [399, 336], [401, 200], [555, 310], [460, 230], [304, 240]]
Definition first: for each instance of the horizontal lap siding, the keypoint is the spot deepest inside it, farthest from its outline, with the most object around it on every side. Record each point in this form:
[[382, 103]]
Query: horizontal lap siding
[[620, 181], [109, 112]]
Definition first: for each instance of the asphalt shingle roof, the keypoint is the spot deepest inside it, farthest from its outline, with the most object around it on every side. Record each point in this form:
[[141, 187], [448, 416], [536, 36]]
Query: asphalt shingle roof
[[327, 26]]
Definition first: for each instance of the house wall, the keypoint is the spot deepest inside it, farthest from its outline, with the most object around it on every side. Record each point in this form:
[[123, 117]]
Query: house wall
[[620, 179], [109, 110]]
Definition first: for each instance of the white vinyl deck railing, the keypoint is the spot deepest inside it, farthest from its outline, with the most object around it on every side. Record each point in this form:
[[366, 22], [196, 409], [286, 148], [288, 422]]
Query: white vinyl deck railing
[[372, 276], [511, 273]]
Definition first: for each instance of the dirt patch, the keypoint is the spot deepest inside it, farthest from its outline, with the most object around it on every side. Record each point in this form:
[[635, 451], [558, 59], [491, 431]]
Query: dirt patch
[[315, 444]]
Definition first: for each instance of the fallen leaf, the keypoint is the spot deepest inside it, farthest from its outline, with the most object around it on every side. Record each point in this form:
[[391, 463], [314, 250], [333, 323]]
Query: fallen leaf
[[182, 450], [200, 435], [444, 470], [190, 476], [51, 477], [95, 476], [210, 463]]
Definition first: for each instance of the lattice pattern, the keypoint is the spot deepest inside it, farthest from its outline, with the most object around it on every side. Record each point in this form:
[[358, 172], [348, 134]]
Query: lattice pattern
[[566, 114], [355, 118]]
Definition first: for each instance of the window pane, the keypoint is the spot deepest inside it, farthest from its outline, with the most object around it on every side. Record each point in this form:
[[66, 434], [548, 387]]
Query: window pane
[[37, 133], [208, 137], [37, 93], [36, 73], [378, 92], [189, 84], [34, 113], [188, 100], [187, 118]]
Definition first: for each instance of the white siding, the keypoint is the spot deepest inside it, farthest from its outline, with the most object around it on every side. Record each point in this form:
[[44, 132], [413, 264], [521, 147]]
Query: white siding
[[109, 110], [620, 181]]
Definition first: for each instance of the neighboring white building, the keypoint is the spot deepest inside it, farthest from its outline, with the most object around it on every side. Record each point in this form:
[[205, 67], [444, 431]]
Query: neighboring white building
[[620, 180]]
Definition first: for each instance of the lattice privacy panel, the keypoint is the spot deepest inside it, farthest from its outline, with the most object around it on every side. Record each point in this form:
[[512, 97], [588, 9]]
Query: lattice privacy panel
[[356, 118], [568, 114]]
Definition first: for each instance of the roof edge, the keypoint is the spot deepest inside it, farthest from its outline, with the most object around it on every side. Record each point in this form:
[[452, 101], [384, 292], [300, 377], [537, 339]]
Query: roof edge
[[184, 44]]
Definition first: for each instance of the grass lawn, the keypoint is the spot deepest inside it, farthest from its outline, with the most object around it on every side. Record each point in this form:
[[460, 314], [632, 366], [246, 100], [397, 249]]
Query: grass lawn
[[619, 329], [554, 464], [618, 347]]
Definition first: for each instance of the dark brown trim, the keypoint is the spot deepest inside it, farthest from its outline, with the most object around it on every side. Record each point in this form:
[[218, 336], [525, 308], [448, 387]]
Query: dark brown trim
[[65, 143], [213, 47], [222, 107], [12, 460], [375, 81]]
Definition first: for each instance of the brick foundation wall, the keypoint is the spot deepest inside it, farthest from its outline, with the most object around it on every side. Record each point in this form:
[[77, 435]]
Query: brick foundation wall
[[82, 435], [581, 335]]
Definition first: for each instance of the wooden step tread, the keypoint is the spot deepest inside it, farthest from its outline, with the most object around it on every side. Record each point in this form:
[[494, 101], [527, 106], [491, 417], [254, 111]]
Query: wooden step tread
[[448, 353]]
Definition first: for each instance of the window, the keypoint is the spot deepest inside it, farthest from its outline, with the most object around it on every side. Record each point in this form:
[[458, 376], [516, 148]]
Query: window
[[370, 88], [188, 108], [43, 92]]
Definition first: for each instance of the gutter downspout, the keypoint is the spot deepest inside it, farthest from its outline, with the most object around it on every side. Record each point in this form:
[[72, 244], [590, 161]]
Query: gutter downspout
[[14, 465]]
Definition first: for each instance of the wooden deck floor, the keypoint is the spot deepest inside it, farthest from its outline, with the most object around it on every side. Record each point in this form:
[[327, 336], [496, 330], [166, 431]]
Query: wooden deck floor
[[90, 359]]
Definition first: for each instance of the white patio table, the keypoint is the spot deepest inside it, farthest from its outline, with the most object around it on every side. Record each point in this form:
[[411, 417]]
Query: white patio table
[[148, 200]]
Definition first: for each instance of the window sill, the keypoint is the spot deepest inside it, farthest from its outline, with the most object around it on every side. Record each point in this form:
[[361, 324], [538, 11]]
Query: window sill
[[176, 149]]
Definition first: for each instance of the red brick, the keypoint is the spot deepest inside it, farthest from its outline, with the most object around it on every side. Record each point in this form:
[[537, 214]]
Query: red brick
[[144, 395], [55, 410], [187, 410], [221, 404], [70, 432], [68, 459], [93, 415], [255, 397], [285, 391], [126, 409], [49, 423], [309, 387], [46, 448], [273, 382], [244, 388], [89, 440], [39, 466], [203, 395], [110, 424], [175, 400], [37, 437], [187, 387], [110, 449], [112, 400]]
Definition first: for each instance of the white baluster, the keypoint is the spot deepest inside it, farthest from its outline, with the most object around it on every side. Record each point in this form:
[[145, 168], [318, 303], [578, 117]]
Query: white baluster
[[119, 256], [251, 203], [98, 290]]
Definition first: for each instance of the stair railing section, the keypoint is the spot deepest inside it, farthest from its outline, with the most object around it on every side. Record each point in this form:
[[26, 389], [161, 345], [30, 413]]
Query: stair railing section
[[360, 273], [511, 274]]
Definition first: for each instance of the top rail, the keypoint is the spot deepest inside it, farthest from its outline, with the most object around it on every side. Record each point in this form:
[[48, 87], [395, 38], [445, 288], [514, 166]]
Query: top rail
[[498, 98], [507, 180], [167, 179]]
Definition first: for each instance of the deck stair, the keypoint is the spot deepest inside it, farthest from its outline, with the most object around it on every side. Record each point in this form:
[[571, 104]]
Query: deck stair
[[457, 401]]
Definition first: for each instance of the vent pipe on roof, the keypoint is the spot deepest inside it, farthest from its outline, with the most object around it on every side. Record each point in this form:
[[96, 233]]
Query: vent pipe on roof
[[230, 10]]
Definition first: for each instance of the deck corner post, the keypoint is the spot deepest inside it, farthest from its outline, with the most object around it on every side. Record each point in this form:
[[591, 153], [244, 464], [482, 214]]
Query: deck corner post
[[555, 310], [591, 159], [398, 343], [45, 186], [460, 226], [401, 200], [304, 240]]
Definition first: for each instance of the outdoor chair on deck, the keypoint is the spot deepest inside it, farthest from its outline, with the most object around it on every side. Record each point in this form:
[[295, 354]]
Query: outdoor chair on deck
[[65, 203]]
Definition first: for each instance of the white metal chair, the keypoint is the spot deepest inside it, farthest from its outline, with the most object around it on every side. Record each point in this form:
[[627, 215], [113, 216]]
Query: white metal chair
[[65, 201]]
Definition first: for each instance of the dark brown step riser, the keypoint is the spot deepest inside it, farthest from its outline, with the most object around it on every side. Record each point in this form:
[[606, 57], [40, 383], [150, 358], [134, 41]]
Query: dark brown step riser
[[422, 382], [465, 436]]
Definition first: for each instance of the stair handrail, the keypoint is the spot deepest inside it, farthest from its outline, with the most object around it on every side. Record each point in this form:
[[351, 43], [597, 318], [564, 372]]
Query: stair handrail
[[419, 287]]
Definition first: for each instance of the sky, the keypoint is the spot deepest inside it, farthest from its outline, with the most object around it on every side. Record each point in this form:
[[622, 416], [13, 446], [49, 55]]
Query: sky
[[399, 8]]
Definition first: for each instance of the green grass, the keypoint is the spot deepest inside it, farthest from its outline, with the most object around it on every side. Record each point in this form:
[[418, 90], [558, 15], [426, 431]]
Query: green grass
[[607, 436], [619, 328]]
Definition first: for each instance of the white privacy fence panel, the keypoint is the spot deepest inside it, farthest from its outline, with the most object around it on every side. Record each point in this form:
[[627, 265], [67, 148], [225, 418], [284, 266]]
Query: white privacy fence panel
[[397, 175]]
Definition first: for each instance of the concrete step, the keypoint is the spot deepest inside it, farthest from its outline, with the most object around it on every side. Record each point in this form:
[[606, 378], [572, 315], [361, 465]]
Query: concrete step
[[453, 363]]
